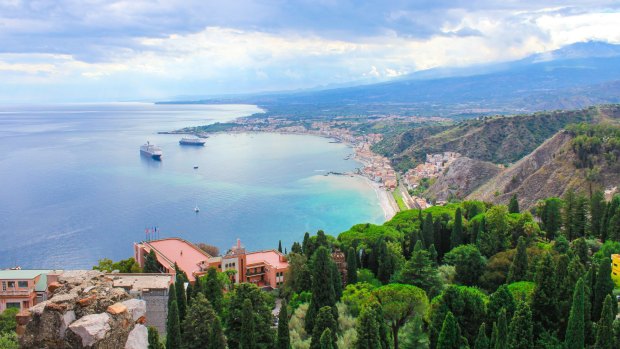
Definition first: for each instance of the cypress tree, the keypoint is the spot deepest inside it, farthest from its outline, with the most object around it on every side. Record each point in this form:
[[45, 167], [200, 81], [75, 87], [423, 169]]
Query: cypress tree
[[384, 336], [284, 339], [337, 281], [326, 339], [482, 341], [569, 215], [500, 299], [280, 246], [513, 206], [494, 335], [428, 231], [217, 340], [518, 268], [247, 338], [597, 210], [604, 328], [351, 266], [306, 246], [189, 292], [150, 263], [181, 300], [325, 320], [575, 332], [450, 336], [172, 294], [199, 325], [367, 330], [551, 217], [502, 330], [521, 328], [564, 292], [296, 248], [385, 262], [321, 239], [580, 248], [153, 338], [604, 286], [213, 290], [433, 254], [544, 301], [323, 293], [456, 238], [173, 327], [581, 216]]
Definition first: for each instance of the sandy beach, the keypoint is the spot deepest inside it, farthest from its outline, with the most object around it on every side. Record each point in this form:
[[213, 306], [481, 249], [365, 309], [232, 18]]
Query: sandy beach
[[386, 200]]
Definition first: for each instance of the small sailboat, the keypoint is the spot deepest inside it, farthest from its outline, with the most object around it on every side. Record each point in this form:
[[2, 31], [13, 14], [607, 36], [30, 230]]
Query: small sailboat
[[196, 209], [195, 167]]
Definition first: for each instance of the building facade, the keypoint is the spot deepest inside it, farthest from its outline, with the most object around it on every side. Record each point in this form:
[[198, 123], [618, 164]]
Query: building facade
[[264, 268], [23, 289]]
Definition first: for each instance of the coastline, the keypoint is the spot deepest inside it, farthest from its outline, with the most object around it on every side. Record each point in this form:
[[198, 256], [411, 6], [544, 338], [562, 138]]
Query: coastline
[[386, 200]]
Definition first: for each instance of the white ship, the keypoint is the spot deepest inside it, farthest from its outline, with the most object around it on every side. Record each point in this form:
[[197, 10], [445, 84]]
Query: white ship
[[151, 150], [192, 141]]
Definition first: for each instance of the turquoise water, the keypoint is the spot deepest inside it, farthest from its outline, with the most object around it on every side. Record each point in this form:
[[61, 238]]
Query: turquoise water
[[75, 189]]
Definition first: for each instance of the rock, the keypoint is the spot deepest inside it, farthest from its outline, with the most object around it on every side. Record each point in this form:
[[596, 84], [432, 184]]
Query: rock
[[116, 308], [88, 289], [84, 302], [64, 298], [53, 286], [20, 330], [141, 320], [138, 338], [56, 307], [23, 317], [76, 277], [91, 328], [136, 307], [67, 319]]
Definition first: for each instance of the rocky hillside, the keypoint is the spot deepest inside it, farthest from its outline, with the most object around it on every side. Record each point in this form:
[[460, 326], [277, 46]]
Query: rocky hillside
[[559, 164], [462, 177], [501, 140]]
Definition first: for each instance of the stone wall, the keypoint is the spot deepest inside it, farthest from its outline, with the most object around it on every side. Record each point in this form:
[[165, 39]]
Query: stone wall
[[84, 311]]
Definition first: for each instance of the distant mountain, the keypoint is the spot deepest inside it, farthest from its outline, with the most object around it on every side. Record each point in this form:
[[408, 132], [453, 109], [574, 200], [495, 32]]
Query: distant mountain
[[572, 77]]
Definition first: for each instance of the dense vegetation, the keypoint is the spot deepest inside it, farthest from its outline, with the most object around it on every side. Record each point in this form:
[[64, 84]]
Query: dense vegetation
[[502, 139], [465, 275]]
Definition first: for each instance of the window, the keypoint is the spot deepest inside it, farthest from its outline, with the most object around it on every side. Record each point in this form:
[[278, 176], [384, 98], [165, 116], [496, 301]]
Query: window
[[22, 284], [11, 284], [13, 305], [3, 285]]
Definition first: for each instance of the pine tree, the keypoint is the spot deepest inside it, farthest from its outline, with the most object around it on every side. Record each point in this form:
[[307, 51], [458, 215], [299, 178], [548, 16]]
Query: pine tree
[[351, 266], [597, 210], [284, 339], [173, 327], [580, 216], [500, 300], [428, 232], [367, 330], [518, 268], [604, 286], [296, 248], [513, 206], [199, 325], [521, 328], [181, 300], [544, 300], [280, 246], [450, 336], [433, 254], [569, 215], [551, 217], [326, 339], [150, 263], [580, 248], [502, 330], [482, 341], [575, 331], [456, 238], [323, 293], [604, 328], [213, 290], [419, 271], [247, 339], [324, 320], [153, 338]]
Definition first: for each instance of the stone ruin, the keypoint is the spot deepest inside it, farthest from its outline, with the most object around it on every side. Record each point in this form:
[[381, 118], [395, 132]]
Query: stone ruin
[[84, 311]]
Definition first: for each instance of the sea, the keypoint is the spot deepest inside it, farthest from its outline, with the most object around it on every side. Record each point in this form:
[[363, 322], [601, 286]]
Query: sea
[[74, 188]]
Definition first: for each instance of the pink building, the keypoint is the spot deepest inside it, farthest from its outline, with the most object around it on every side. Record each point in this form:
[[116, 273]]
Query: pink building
[[263, 268], [23, 289]]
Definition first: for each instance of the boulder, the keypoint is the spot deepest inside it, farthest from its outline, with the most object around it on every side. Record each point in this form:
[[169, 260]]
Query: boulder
[[91, 328], [53, 286], [138, 338], [23, 317], [136, 307], [67, 319]]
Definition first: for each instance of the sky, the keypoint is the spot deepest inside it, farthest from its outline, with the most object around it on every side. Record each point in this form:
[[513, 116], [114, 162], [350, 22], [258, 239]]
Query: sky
[[108, 50]]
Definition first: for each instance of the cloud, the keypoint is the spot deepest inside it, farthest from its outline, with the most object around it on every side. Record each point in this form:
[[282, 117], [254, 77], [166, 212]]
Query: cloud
[[145, 49]]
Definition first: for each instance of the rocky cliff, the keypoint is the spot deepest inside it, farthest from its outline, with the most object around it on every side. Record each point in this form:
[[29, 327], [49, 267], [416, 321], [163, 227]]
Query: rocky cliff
[[84, 311], [462, 177]]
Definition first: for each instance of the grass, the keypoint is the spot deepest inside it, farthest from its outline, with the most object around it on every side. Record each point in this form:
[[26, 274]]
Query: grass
[[399, 200]]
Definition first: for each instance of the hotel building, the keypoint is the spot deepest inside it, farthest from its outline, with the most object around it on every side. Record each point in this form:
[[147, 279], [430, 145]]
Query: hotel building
[[23, 289]]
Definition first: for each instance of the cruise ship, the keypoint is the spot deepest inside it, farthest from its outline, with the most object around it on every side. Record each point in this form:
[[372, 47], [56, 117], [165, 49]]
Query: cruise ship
[[151, 150], [192, 141]]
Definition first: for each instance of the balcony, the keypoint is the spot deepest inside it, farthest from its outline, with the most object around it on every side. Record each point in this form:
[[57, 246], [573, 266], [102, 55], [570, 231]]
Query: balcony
[[258, 272], [22, 293]]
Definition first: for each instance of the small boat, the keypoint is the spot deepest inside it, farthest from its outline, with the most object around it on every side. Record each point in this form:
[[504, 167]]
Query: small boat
[[195, 167], [196, 209]]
